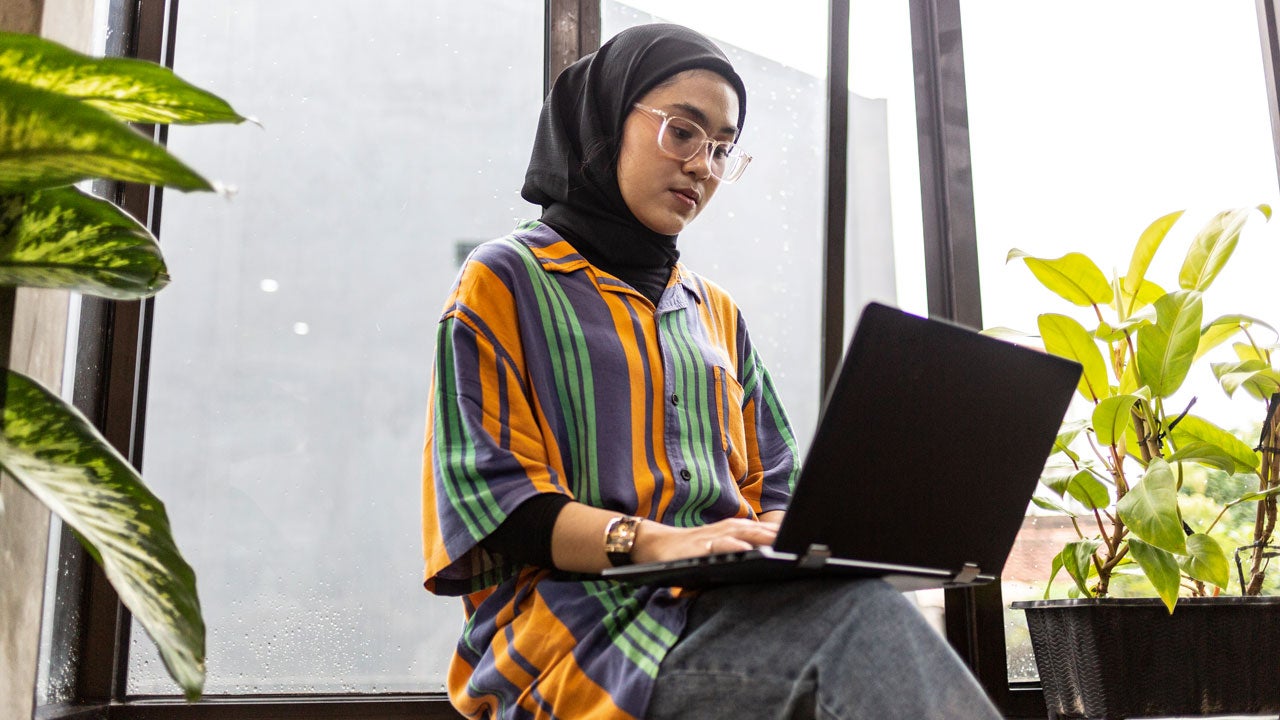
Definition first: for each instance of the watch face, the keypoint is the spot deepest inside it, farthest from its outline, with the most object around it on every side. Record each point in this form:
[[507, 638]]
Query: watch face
[[620, 536]]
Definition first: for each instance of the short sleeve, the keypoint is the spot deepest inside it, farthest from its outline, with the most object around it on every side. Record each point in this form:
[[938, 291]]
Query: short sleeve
[[484, 453]]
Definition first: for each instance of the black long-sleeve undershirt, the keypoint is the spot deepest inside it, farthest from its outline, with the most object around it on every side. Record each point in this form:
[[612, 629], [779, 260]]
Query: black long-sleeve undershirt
[[525, 536]]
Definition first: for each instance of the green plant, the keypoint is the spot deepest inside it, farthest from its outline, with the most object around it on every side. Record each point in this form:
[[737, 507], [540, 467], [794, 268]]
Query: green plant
[[1120, 474], [63, 120]]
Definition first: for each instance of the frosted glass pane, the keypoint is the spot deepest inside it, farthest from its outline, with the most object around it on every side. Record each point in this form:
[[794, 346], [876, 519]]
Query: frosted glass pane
[[291, 356], [761, 238]]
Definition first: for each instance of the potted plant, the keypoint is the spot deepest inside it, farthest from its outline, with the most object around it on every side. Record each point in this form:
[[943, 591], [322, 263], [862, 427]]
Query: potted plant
[[1125, 476], [63, 120]]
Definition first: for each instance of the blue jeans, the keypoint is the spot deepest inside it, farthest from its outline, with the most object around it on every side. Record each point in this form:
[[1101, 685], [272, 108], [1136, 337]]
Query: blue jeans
[[821, 649]]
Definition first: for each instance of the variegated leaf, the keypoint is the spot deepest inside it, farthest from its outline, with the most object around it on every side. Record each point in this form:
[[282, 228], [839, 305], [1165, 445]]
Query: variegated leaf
[[55, 453], [132, 90], [49, 140], [62, 238]]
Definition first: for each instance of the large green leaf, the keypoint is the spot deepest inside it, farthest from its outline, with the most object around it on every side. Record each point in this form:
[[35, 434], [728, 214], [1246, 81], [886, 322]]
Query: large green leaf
[[63, 238], [1255, 376], [1065, 337], [1213, 246], [1089, 490], [1204, 453], [1161, 569], [1077, 560], [48, 140], [1193, 428], [1206, 561], [1144, 250], [1108, 332], [1053, 573], [1066, 435], [1148, 242], [132, 90], [55, 453], [1223, 329], [1256, 496], [1074, 277], [1150, 509], [1112, 417], [1167, 349]]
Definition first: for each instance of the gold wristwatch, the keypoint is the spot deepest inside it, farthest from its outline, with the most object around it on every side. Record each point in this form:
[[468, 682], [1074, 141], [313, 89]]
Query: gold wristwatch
[[619, 538]]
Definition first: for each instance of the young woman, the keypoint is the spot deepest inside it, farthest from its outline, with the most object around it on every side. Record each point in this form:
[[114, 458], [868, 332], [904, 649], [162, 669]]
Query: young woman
[[596, 402]]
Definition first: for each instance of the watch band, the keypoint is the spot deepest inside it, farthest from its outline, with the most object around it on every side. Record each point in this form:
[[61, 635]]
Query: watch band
[[619, 538]]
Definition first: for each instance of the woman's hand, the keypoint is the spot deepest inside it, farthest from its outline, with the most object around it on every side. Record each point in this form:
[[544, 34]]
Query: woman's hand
[[577, 540], [656, 542]]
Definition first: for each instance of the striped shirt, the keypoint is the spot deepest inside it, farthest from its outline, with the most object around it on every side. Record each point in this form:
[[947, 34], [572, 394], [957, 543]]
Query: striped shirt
[[554, 377]]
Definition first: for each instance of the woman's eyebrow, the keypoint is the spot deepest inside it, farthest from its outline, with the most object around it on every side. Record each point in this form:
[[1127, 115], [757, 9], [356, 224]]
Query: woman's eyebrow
[[701, 118]]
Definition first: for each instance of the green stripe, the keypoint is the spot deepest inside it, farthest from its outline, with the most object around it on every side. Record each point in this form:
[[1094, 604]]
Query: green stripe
[[770, 399], [750, 374], [658, 631], [622, 612], [691, 374], [463, 483], [561, 329], [680, 382]]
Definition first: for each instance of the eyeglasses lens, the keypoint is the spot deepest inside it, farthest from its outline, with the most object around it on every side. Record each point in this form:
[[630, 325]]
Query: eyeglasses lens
[[683, 139]]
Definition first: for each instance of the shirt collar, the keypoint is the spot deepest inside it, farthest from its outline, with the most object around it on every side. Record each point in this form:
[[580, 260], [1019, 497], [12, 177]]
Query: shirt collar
[[556, 255]]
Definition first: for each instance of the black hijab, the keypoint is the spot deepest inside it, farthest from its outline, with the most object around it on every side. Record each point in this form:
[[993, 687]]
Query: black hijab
[[573, 170]]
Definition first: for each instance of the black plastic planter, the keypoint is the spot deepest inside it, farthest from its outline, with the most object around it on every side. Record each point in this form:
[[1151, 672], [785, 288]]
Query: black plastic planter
[[1122, 658]]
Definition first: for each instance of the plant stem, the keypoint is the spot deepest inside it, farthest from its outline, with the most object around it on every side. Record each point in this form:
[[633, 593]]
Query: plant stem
[[1268, 476]]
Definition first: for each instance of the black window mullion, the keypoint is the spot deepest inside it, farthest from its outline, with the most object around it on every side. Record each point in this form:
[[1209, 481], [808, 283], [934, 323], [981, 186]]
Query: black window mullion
[[946, 179], [836, 208], [974, 616], [572, 30], [1269, 36]]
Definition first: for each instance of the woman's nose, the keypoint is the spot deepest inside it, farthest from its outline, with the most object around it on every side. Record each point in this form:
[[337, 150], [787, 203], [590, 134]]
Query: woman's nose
[[700, 164]]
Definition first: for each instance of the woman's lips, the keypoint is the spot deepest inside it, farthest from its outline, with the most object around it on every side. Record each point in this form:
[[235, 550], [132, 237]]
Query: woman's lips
[[687, 197]]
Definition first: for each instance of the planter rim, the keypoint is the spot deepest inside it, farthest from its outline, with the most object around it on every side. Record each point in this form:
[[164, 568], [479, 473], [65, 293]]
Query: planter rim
[[1221, 600]]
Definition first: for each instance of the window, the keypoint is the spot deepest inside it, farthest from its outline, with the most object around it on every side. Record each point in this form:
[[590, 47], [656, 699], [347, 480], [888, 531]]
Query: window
[[290, 359], [1080, 151], [762, 237]]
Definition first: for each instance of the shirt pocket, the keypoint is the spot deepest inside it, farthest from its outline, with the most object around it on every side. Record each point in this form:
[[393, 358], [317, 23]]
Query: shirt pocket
[[733, 434]]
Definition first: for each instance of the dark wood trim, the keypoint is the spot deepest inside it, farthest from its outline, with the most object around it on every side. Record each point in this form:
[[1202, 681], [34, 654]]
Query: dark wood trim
[[1269, 35], [63, 711], [289, 707], [572, 30], [946, 181], [835, 214]]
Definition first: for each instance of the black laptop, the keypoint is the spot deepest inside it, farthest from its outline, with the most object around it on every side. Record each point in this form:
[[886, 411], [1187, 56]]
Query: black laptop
[[929, 446]]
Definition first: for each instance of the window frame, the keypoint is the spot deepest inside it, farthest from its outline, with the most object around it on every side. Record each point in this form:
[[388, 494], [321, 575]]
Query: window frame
[[114, 345]]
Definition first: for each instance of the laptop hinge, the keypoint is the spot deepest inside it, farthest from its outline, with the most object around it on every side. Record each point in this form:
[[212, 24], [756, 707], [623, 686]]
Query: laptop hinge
[[815, 557], [967, 574]]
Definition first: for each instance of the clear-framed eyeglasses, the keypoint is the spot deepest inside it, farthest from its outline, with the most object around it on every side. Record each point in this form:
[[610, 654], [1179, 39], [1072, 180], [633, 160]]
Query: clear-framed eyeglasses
[[682, 139]]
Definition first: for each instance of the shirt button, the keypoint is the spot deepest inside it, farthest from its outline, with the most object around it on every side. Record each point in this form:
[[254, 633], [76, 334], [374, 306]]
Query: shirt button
[[685, 474], [675, 399]]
